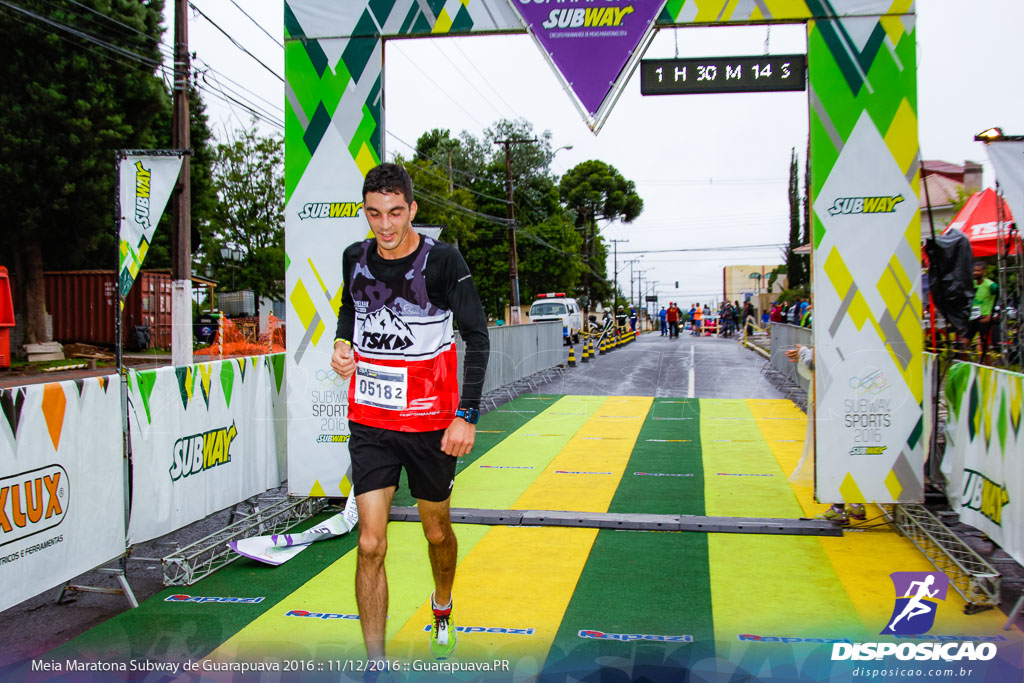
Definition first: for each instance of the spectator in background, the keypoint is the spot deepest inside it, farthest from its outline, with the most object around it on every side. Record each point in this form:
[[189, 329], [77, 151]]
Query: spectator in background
[[698, 317], [728, 319], [749, 317], [980, 324], [663, 318], [672, 317], [805, 319], [632, 318]]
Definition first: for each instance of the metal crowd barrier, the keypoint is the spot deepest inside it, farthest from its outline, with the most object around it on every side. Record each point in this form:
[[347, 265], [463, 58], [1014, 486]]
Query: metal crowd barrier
[[784, 336], [518, 352]]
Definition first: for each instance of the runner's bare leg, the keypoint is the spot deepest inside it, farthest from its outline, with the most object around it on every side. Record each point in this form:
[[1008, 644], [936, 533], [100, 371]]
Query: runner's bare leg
[[443, 547], [371, 579]]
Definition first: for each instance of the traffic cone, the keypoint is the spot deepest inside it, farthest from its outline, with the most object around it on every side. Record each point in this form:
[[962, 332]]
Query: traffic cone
[[603, 349], [572, 356], [584, 356]]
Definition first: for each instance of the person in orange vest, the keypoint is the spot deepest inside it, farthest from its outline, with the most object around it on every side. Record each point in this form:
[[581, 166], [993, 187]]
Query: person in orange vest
[[698, 317]]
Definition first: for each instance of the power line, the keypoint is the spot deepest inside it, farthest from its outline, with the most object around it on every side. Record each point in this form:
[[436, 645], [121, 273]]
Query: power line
[[445, 93], [219, 89], [124, 52], [737, 247], [235, 42], [130, 29], [465, 77], [278, 108], [276, 41], [497, 92]]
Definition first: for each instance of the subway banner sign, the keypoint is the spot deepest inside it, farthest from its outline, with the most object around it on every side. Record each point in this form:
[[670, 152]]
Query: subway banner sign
[[772, 73]]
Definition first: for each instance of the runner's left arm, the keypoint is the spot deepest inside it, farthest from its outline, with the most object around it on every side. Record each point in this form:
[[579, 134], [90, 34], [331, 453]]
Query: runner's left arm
[[462, 299]]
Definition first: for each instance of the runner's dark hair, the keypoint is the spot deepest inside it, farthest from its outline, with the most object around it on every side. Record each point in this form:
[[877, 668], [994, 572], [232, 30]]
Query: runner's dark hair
[[388, 179]]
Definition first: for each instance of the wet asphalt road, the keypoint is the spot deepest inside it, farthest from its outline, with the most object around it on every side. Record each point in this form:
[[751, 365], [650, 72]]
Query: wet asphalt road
[[660, 366]]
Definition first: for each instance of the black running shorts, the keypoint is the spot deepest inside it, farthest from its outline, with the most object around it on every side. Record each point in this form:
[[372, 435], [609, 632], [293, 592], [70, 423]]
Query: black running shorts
[[378, 456]]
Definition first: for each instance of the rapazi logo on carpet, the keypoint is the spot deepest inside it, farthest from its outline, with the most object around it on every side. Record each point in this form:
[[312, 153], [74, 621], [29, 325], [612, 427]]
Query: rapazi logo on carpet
[[917, 596]]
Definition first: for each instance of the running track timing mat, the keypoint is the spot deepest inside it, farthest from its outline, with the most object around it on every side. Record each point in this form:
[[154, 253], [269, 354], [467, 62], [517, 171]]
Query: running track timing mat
[[573, 603]]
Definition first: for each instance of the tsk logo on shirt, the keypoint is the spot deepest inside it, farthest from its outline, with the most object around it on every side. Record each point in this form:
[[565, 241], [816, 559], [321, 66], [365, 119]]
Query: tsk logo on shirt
[[383, 330]]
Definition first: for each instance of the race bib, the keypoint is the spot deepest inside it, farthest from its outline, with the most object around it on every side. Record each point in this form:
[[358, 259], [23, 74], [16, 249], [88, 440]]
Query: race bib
[[975, 311], [381, 386]]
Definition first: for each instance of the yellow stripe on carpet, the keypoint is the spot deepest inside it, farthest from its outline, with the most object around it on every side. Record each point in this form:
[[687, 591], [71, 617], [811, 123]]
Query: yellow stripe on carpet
[[276, 636], [498, 477], [584, 475], [863, 560], [509, 598]]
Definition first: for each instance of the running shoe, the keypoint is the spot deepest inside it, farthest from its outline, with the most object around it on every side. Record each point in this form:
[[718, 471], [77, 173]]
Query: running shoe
[[443, 637], [836, 514], [856, 512]]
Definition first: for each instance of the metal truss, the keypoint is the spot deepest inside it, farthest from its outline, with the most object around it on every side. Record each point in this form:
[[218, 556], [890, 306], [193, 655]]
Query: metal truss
[[187, 565], [970, 575]]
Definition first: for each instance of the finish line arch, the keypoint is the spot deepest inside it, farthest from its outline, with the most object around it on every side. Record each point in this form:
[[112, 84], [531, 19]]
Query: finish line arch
[[865, 180]]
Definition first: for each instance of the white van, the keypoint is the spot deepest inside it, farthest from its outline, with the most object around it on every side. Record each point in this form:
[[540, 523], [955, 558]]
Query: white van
[[556, 306]]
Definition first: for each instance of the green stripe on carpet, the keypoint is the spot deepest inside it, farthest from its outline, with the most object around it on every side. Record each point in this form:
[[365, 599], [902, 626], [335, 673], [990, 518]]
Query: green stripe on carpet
[[639, 586]]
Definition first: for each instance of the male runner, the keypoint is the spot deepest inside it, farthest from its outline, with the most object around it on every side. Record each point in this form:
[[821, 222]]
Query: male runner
[[395, 336]]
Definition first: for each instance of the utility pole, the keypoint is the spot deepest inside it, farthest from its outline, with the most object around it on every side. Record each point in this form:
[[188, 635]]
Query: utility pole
[[181, 233], [615, 268], [513, 260]]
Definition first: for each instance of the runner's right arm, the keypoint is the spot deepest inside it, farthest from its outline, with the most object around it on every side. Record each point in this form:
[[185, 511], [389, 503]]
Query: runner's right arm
[[342, 360]]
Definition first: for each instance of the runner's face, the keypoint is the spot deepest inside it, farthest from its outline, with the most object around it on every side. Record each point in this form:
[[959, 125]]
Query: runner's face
[[390, 218]]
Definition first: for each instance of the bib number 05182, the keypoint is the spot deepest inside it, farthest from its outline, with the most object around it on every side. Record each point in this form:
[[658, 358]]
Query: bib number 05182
[[381, 386]]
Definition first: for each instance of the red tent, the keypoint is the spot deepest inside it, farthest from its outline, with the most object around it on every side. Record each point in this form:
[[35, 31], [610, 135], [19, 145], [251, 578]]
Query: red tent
[[980, 221]]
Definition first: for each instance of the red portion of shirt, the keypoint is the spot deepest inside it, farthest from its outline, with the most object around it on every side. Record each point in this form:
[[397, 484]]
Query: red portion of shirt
[[433, 395]]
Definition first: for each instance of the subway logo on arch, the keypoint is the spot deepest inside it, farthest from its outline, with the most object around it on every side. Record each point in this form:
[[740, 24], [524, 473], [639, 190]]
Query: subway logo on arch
[[201, 452], [589, 17], [857, 205], [32, 501], [330, 210]]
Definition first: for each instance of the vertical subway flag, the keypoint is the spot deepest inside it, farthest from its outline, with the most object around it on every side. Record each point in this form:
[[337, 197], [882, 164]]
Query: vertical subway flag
[[1008, 159], [592, 46], [145, 185]]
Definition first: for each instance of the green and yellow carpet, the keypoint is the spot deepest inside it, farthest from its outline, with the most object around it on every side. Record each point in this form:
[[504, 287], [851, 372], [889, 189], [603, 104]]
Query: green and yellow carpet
[[573, 603]]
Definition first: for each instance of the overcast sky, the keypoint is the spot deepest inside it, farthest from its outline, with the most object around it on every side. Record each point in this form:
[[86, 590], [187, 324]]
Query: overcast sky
[[712, 169]]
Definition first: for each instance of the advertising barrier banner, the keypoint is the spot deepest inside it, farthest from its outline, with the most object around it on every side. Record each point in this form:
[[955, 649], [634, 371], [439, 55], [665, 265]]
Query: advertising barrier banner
[[61, 484], [203, 438], [982, 465]]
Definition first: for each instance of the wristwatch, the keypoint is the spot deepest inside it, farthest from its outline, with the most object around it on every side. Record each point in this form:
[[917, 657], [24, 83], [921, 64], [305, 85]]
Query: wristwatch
[[470, 415]]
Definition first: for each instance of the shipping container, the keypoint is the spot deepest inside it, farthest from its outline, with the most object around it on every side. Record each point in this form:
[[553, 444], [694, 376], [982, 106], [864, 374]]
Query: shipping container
[[83, 304]]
